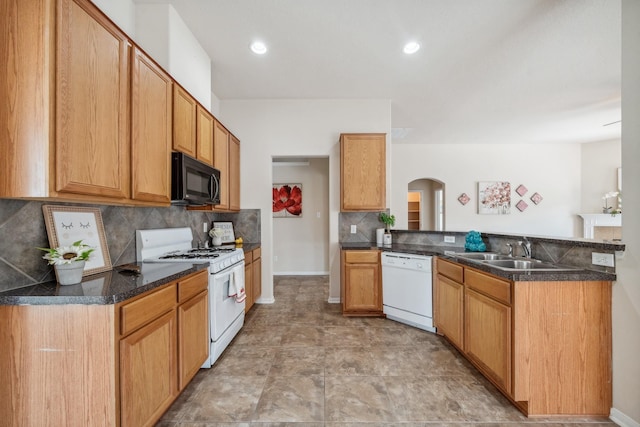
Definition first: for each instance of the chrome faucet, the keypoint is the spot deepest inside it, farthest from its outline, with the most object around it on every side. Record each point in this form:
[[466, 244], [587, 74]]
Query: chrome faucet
[[526, 247]]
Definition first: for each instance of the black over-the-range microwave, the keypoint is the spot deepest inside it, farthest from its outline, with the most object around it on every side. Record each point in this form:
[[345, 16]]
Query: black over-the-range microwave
[[193, 182]]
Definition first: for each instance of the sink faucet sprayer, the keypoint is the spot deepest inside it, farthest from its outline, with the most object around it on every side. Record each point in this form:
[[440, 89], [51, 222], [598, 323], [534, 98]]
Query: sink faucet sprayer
[[526, 247]]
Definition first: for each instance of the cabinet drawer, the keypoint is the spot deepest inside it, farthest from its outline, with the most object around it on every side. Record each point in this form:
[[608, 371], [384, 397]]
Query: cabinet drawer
[[257, 253], [361, 257], [489, 285], [451, 270], [147, 308], [192, 286], [248, 257]]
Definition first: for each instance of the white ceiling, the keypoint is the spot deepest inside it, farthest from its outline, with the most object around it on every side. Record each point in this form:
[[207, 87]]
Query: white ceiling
[[488, 71]]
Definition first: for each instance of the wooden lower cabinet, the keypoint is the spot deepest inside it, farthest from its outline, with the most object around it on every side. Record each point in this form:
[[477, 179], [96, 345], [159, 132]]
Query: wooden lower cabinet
[[193, 337], [361, 290], [545, 344], [106, 365], [448, 309], [256, 268], [148, 363], [252, 276], [487, 337]]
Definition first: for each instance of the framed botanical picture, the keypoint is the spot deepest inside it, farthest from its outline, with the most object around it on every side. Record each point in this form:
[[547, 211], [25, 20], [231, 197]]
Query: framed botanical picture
[[287, 200], [68, 224], [494, 197]]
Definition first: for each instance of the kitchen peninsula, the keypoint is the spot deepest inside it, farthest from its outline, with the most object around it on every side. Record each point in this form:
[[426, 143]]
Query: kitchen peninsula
[[542, 337]]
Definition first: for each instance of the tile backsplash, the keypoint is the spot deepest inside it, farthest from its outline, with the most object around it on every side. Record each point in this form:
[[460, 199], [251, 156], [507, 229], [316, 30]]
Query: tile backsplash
[[22, 230]]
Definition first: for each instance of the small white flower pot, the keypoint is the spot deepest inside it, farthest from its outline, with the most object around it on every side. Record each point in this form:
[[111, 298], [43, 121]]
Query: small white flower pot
[[69, 274], [387, 238]]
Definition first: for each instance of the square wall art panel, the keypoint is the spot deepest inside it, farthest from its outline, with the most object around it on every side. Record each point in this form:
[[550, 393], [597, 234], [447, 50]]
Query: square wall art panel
[[494, 197], [287, 200]]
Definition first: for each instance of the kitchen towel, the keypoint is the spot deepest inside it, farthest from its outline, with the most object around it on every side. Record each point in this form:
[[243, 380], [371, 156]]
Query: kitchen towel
[[236, 286]]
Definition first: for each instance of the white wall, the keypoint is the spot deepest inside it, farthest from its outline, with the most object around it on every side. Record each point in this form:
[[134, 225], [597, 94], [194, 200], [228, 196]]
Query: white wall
[[162, 33], [553, 171], [152, 23], [121, 12], [301, 245], [600, 162], [307, 128], [626, 291]]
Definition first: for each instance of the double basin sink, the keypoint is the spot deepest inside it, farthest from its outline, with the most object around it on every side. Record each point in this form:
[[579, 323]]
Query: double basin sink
[[508, 263]]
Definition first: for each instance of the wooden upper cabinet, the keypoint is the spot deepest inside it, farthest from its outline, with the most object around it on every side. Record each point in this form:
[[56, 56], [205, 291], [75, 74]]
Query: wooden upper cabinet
[[28, 54], [151, 124], [204, 143], [92, 103], [184, 121], [234, 173], [362, 172], [221, 161]]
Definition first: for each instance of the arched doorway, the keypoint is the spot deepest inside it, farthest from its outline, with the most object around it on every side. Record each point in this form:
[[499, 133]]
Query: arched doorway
[[425, 204]]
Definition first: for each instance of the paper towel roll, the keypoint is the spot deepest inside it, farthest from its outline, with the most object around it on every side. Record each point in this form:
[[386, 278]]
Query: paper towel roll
[[379, 236]]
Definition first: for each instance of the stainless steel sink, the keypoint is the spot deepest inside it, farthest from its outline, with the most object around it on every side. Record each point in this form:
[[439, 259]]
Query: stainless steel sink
[[505, 262]]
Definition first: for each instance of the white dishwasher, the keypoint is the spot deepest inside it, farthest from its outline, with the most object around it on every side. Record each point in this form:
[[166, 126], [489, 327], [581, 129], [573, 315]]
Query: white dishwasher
[[407, 295]]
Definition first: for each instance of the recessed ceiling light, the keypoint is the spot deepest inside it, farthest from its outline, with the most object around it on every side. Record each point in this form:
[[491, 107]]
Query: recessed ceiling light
[[411, 48], [258, 48]]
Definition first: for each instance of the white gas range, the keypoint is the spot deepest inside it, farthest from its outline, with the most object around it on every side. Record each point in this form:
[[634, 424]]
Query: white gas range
[[226, 268]]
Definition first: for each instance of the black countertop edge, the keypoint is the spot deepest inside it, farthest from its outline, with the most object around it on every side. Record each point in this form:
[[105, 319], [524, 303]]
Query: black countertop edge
[[524, 276], [106, 288]]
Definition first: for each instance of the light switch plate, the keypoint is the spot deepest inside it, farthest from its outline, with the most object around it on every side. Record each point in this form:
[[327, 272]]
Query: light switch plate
[[354, 229], [449, 239], [605, 260]]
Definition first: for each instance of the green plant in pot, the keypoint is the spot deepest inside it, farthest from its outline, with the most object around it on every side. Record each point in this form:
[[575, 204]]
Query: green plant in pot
[[389, 221]]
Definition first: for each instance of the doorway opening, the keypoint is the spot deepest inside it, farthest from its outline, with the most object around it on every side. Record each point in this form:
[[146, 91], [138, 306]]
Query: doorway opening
[[301, 238], [426, 205]]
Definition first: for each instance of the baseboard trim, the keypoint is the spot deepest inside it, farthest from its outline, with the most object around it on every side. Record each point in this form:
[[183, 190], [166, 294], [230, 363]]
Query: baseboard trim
[[301, 273], [622, 419], [334, 300], [265, 300]]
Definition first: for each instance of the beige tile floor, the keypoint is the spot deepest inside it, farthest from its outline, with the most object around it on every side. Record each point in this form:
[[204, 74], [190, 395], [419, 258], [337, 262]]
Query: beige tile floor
[[300, 363]]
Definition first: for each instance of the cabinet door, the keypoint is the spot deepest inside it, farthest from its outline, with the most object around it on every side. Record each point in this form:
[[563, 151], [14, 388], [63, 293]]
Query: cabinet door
[[148, 366], [193, 336], [184, 122], [204, 141], [256, 289], [151, 125], [362, 288], [362, 172], [248, 285], [487, 337], [448, 314], [92, 103], [221, 161], [234, 173]]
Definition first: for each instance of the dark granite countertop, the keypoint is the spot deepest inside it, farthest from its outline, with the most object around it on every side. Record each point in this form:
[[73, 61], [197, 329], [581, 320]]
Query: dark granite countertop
[[105, 288], [516, 276], [247, 247]]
